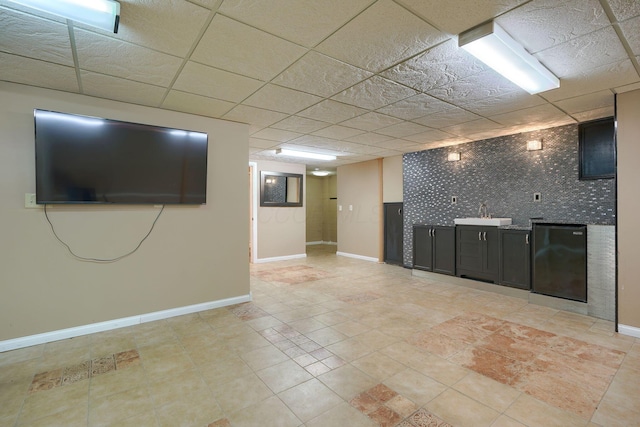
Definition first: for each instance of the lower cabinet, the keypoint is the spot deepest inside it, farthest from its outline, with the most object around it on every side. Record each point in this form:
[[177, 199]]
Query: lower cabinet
[[434, 248], [515, 258], [477, 252]]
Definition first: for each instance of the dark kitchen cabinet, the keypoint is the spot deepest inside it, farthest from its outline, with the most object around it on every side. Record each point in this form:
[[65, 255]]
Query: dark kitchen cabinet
[[477, 252], [393, 229], [434, 248], [515, 258]]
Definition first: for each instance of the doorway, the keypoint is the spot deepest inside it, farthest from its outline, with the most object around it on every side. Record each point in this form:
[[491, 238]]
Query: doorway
[[253, 212]]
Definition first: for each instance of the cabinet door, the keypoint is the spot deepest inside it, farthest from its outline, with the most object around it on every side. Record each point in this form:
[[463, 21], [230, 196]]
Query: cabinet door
[[393, 233], [515, 259], [444, 250], [491, 252], [469, 245], [422, 248]]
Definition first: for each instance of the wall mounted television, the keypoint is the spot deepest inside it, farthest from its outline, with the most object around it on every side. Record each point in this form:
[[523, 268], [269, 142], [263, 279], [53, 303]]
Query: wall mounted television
[[82, 159]]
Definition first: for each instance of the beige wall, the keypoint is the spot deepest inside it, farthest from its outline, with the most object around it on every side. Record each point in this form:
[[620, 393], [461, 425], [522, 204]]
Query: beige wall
[[392, 179], [330, 229], [195, 254], [281, 231], [628, 142], [321, 209], [359, 230]]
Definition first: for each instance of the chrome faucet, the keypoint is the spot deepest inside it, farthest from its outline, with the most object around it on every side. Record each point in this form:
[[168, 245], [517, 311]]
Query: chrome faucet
[[482, 210]]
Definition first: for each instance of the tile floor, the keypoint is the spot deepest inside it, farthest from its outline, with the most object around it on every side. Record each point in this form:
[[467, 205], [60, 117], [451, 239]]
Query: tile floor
[[334, 341]]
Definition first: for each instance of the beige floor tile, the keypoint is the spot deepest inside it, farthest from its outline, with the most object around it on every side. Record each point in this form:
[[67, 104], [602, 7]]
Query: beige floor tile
[[241, 392], [310, 399], [116, 407], [59, 399], [611, 414], [147, 419], [351, 328], [347, 381], [350, 349], [342, 415], [191, 410], [264, 357], [326, 336], [378, 366], [117, 381], [504, 421], [12, 397], [73, 417], [183, 386], [534, 413], [218, 373], [438, 368], [414, 386], [283, 376], [485, 390], [461, 411], [271, 409], [21, 355], [158, 367]]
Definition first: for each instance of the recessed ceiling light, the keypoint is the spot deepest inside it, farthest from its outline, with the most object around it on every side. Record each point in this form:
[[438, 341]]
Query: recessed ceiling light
[[320, 173], [304, 154], [104, 14], [492, 45]]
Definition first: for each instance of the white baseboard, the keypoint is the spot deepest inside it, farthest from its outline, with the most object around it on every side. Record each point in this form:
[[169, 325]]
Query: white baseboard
[[632, 331], [280, 258], [321, 242], [108, 325], [362, 257]]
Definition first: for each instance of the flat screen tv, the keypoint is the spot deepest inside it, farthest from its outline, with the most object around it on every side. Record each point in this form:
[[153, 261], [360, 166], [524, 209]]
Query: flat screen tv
[[82, 159]]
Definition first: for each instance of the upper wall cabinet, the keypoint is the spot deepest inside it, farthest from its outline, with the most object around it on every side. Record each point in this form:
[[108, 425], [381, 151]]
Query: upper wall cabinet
[[280, 189], [597, 149]]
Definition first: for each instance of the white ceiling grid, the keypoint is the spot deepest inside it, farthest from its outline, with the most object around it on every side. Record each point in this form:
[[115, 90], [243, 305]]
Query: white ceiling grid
[[360, 79]]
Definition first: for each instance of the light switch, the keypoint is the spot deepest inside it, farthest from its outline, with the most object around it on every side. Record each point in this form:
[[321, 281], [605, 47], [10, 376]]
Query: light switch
[[340, 208], [350, 207], [30, 200]]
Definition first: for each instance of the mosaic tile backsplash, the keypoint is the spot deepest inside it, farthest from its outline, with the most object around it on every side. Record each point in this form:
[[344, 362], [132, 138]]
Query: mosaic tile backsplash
[[503, 173]]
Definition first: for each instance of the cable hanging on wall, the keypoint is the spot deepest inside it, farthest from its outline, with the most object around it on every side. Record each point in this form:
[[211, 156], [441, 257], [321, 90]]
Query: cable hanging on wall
[[101, 260]]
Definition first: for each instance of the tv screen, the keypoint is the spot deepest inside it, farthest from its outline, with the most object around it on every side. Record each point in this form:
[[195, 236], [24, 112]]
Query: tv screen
[[82, 159]]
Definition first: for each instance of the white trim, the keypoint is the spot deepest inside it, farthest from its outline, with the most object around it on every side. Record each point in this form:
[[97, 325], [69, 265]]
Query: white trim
[[255, 185], [362, 257], [108, 325], [280, 258], [321, 242], [632, 331]]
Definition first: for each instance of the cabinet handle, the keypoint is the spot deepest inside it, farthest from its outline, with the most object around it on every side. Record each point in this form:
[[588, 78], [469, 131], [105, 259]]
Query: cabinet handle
[[430, 232], [526, 239], [399, 211], [434, 232], [485, 236], [479, 235]]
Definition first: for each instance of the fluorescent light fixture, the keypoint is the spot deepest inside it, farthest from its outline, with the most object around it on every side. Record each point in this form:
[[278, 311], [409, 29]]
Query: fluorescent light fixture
[[453, 157], [492, 45], [103, 14], [320, 173], [534, 145], [304, 154]]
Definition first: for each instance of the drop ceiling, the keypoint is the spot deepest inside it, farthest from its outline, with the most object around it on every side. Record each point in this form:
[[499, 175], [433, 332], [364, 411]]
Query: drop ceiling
[[360, 79]]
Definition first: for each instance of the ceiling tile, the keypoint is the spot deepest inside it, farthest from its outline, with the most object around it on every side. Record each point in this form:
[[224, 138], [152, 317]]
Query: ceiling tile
[[504, 103], [209, 4], [19, 69], [300, 124], [371, 121], [254, 116], [242, 49], [627, 87], [631, 31], [338, 132], [415, 106], [624, 9], [49, 43], [321, 75], [382, 35], [584, 53], [597, 113], [167, 26], [475, 126], [305, 23], [428, 136], [132, 62], [261, 143], [531, 116], [118, 89], [196, 104], [437, 67], [202, 80], [592, 101], [474, 88], [332, 112], [455, 16], [584, 82], [447, 117], [369, 138], [278, 98], [398, 144], [374, 93], [276, 135], [403, 129], [541, 24]]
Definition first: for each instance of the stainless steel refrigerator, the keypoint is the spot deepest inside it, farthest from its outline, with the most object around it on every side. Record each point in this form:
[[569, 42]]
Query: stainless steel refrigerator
[[560, 261]]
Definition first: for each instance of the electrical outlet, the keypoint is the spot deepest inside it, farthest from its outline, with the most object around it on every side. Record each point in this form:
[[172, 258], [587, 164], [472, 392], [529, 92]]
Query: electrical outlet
[[340, 208], [537, 197], [454, 200], [30, 200], [350, 207]]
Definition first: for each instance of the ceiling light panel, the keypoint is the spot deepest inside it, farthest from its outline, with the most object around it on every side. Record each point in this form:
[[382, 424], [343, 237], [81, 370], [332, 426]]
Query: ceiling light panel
[[103, 14]]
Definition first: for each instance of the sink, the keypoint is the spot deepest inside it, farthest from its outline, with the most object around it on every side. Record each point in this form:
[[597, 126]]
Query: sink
[[482, 221]]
